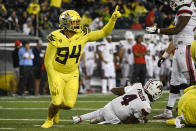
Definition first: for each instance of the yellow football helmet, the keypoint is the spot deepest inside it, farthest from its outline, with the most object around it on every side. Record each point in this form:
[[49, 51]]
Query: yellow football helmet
[[193, 51], [70, 20]]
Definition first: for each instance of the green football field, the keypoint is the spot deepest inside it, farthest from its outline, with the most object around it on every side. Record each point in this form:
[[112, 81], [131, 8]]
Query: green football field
[[28, 113]]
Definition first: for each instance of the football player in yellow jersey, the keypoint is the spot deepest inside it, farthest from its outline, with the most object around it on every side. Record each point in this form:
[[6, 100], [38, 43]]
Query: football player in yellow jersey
[[186, 109], [187, 103], [62, 58], [193, 49]]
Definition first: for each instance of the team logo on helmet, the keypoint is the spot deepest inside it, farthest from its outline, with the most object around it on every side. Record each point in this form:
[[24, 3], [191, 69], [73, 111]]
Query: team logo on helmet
[[70, 20]]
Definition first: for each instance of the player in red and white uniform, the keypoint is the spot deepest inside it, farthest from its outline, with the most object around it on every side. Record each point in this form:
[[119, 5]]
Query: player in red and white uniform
[[132, 106], [165, 68], [126, 56], [89, 63], [106, 52], [148, 57], [183, 70]]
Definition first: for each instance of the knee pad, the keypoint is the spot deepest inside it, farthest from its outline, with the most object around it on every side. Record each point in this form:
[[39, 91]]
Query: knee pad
[[56, 102], [69, 104], [175, 89]]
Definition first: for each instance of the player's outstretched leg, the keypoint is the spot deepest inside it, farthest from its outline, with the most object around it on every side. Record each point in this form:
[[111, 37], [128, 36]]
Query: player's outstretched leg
[[173, 95], [98, 114]]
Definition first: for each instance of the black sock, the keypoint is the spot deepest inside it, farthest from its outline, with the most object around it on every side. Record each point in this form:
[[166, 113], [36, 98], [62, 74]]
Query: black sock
[[169, 108]]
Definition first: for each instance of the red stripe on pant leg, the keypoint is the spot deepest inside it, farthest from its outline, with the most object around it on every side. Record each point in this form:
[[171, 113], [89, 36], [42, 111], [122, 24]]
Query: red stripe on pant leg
[[187, 64], [191, 66]]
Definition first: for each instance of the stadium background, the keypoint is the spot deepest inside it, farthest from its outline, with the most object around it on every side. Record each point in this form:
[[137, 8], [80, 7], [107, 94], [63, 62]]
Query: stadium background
[[28, 112], [43, 15]]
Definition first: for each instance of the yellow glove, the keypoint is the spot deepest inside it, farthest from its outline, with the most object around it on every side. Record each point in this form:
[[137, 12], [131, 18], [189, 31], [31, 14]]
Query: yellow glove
[[116, 14]]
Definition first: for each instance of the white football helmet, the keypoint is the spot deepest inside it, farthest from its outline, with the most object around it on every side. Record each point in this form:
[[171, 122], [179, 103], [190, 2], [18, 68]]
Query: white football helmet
[[129, 35], [147, 38], [176, 3], [165, 39], [154, 89], [70, 20]]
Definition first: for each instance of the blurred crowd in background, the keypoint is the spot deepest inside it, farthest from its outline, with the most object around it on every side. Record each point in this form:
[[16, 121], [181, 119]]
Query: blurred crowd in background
[[33, 16], [110, 64]]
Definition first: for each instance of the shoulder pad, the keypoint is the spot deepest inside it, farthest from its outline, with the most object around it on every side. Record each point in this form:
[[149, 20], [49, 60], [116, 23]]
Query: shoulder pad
[[185, 11], [86, 30], [51, 37]]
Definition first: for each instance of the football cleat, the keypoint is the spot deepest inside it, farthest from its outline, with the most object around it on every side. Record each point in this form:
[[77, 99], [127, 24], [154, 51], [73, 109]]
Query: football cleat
[[56, 118], [167, 114], [47, 124], [76, 119]]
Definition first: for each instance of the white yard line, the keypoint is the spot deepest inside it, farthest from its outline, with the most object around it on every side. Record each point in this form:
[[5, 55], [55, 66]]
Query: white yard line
[[48, 96], [82, 109], [85, 109], [7, 128], [53, 125], [66, 120], [80, 101]]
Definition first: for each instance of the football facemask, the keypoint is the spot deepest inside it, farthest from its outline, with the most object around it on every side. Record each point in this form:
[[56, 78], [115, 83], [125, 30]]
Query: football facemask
[[153, 88], [70, 20]]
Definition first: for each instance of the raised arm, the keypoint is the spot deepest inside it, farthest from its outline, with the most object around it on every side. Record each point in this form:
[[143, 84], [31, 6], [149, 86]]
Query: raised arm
[[107, 29]]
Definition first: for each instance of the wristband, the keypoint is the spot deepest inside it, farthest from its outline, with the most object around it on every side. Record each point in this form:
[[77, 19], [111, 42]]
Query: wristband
[[158, 31], [165, 55]]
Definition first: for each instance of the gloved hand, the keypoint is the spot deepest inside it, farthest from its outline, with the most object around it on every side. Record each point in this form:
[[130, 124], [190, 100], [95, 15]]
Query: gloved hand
[[161, 60], [152, 30], [178, 122], [116, 14]]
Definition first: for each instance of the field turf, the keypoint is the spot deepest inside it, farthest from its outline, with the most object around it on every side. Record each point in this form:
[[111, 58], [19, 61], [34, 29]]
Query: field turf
[[28, 113]]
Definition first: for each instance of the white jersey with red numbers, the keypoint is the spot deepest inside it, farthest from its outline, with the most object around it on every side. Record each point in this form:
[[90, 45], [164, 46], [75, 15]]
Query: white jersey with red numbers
[[89, 50], [186, 36], [107, 50], [89, 56], [128, 54], [134, 102], [183, 69]]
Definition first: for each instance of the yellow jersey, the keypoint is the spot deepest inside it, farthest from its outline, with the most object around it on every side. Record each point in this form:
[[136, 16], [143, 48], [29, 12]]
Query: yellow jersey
[[69, 51], [65, 53], [187, 106], [33, 8]]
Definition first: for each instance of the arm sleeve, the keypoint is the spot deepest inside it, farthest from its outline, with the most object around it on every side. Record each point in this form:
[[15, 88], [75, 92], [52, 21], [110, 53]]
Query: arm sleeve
[[52, 39], [50, 54], [185, 11], [107, 29]]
